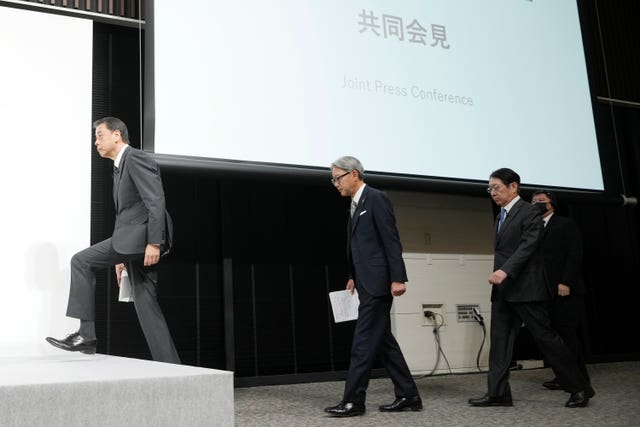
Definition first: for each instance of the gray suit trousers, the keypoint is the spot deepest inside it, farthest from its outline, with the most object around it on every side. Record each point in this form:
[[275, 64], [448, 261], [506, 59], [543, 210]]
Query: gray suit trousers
[[144, 282]]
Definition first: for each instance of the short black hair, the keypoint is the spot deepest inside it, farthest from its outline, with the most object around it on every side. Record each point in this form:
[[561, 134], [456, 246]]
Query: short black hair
[[114, 123], [549, 194], [507, 176]]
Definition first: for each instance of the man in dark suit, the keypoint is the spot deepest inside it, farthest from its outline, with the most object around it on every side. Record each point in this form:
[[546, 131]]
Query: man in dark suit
[[378, 273], [520, 295], [562, 252], [142, 232]]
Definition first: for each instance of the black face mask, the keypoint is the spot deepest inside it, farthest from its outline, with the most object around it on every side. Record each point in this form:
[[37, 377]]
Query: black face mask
[[542, 207]]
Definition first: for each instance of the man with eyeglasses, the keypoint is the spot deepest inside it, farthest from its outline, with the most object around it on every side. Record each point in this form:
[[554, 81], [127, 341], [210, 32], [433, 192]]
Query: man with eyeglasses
[[562, 251], [378, 272], [519, 295]]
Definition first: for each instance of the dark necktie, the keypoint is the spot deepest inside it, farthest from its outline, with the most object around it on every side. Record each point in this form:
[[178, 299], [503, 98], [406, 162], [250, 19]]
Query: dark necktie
[[116, 177]]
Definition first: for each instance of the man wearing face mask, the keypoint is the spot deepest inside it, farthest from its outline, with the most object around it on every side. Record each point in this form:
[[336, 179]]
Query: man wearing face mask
[[562, 253]]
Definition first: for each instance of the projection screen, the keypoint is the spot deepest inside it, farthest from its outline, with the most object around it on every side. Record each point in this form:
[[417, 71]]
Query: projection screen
[[437, 88]]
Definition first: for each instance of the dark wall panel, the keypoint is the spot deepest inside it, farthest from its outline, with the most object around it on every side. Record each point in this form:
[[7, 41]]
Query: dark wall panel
[[613, 286], [211, 317], [191, 284], [310, 293], [274, 327], [244, 321]]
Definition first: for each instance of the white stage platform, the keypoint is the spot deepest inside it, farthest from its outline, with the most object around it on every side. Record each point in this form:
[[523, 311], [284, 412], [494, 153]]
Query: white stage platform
[[99, 390]]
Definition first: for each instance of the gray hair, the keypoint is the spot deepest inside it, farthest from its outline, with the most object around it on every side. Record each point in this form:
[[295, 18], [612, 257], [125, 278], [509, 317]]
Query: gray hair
[[349, 163]]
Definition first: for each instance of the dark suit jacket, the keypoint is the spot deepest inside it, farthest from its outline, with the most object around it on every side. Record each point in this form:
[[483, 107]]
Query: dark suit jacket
[[562, 251], [141, 217], [374, 248], [518, 253]]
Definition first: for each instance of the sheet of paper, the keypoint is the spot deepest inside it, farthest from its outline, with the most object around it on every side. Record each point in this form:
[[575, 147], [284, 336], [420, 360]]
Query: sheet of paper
[[126, 294], [344, 305]]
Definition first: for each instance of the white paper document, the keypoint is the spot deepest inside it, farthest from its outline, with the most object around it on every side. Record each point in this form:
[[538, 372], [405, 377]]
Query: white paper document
[[126, 292], [344, 305]]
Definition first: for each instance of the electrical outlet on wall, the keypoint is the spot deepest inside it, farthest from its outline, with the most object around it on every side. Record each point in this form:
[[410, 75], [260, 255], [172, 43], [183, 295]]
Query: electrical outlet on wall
[[437, 317]]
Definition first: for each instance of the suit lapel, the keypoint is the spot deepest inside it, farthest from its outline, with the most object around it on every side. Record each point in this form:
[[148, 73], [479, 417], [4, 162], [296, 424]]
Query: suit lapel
[[507, 220], [356, 214], [550, 225], [512, 213], [116, 182]]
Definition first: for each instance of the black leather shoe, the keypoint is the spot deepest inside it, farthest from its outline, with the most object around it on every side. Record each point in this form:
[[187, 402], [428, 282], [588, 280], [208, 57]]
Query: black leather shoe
[[578, 400], [74, 342], [487, 400], [403, 404], [589, 391], [554, 384], [345, 409]]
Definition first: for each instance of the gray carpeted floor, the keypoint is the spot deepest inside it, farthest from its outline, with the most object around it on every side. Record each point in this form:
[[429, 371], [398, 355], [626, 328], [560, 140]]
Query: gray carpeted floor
[[617, 402]]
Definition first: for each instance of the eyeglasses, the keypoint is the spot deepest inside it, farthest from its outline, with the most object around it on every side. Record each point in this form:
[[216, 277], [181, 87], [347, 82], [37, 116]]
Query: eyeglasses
[[336, 180], [495, 188]]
